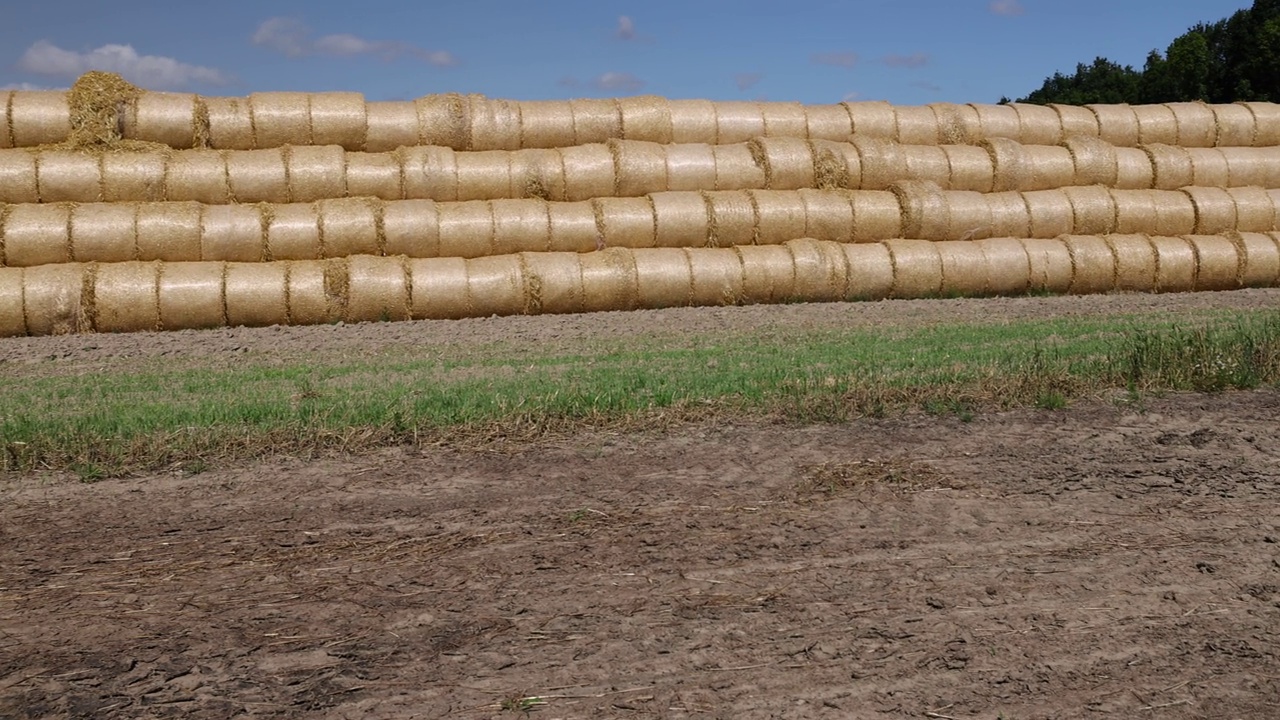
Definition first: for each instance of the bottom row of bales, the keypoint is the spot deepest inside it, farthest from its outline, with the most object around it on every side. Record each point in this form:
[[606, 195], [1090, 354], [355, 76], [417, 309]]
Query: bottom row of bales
[[139, 296]]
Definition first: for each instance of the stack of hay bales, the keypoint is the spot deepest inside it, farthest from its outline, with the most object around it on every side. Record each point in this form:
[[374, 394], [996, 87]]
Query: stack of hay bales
[[127, 210]]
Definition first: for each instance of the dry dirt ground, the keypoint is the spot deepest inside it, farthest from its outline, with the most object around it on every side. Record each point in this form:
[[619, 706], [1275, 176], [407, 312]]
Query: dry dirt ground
[[1110, 560]]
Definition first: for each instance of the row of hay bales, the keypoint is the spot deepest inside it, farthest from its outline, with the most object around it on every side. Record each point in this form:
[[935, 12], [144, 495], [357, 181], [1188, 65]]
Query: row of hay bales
[[474, 122], [50, 233], [614, 169], [136, 296]]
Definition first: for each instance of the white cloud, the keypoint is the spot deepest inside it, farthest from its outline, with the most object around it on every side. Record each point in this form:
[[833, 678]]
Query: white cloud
[[626, 28], [1006, 7], [746, 81], [836, 59], [149, 71], [912, 61], [617, 82], [290, 37]]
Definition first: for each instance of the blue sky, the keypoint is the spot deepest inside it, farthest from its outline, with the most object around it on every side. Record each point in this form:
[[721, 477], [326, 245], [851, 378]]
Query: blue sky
[[904, 51]]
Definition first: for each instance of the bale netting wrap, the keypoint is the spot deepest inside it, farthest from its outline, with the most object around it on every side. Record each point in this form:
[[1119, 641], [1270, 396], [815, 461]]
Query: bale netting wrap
[[835, 165], [553, 282], [738, 168], [546, 124], [693, 122], [821, 270], [968, 215], [873, 119], [1008, 267], [788, 162], [258, 176], [293, 232], [925, 211], [1134, 169], [58, 299], [664, 278], [828, 215], [1093, 209], [375, 175], [232, 233], [1038, 124], [732, 218], [1266, 123], [609, 280], [1117, 124], [350, 226], [1135, 262], [1136, 210], [230, 123], [625, 222], [1215, 209], [126, 296], [165, 118], [12, 322], [691, 166], [997, 121], [646, 117], [877, 215], [438, 288], [1010, 216], [6, 127], [37, 235], [970, 168], [494, 124], [1095, 161], [1255, 209], [316, 172], [338, 118], [428, 173], [411, 228], [199, 176], [1049, 166], [1051, 213], [280, 118], [537, 173], [1010, 166], [715, 276], [917, 268], [190, 295], [104, 232], [169, 231], [1076, 121], [1261, 266], [1259, 167], [18, 177], [444, 120], [1093, 264], [1156, 124], [589, 172], [1209, 167], [957, 124], [390, 125], [377, 289], [738, 121], [256, 294], [521, 226], [785, 119], [780, 216], [829, 122], [870, 271], [595, 121], [483, 175], [1235, 125], [68, 176], [681, 219], [964, 268], [882, 162], [1218, 262], [768, 274], [574, 227], [1175, 213], [1197, 126], [38, 117], [1175, 264], [917, 125], [927, 163], [641, 167], [1049, 267], [132, 176], [465, 228]]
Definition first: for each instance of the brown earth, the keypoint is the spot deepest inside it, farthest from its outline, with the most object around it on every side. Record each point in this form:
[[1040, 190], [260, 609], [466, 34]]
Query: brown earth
[[1116, 559]]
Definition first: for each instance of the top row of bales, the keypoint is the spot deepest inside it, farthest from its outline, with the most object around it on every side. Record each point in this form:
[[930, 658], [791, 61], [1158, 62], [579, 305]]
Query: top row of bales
[[102, 109]]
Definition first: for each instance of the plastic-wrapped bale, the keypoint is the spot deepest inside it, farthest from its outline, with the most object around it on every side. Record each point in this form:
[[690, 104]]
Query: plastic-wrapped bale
[[165, 118], [1259, 167], [429, 173], [293, 232], [829, 122], [1209, 167], [917, 125], [552, 282], [1010, 166], [957, 124], [198, 175], [280, 118], [537, 173], [1135, 262], [609, 280], [546, 124], [1009, 215], [647, 118], [126, 297], [768, 274], [828, 215], [691, 166], [733, 219], [822, 270], [12, 322], [1092, 208], [877, 215], [1007, 266], [438, 288], [132, 177], [625, 222], [917, 268], [788, 163], [1095, 161], [104, 232], [1175, 264], [523, 225], [38, 235], [390, 125], [1266, 123], [1255, 210], [737, 168], [374, 175], [870, 271], [573, 227], [1156, 124], [927, 163], [1215, 209], [1051, 213], [693, 121], [230, 123], [484, 175], [256, 294], [444, 120], [169, 231], [68, 176], [1235, 125], [349, 226], [1175, 213], [316, 172], [1076, 121], [589, 172], [641, 167], [465, 228], [968, 215], [964, 268], [232, 233], [882, 162], [780, 216], [1038, 124], [715, 277], [997, 121], [925, 212], [873, 119], [1171, 166], [1117, 124], [970, 168], [681, 219], [1217, 262], [338, 118], [258, 176], [1197, 126], [595, 121], [38, 117], [1261, 259], [663, 278], [18, 177], [1093, 265], [495, 124], [1048, 265], [738, 121], [835, 165], [377, 289], [784, 119], [54, 301], [1135, 210], [411, 228]]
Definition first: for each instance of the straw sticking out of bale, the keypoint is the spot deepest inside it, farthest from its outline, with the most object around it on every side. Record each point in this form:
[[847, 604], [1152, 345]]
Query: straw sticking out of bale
[[957, 124], [97, 106], [444, 120], [537, 173], [733, 219], [925, 213], [835, 165], [553, 282], [6, 130]]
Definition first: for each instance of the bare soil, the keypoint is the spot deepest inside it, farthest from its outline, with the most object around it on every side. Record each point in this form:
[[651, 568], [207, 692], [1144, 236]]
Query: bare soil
[[1114, 559]]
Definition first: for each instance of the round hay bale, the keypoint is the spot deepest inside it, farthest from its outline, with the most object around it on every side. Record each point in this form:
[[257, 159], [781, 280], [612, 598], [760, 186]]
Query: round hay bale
[[925, 212], [968, 215], [316, 172], [198, 175], [1093, 264], [647, 118], [641, 167], [1135, 262], [1076, 121], [126, 297], [822, 271], [1175, 264], [6, 133], [1093, 209], [1171, 166], [595, 121], [438, 289], [1175, 213], [232, 233], [1051, 213], [788, 162], [877, 215], [553, 282], [663, 278], [1266, 123], [1255, 210], [104, 232], [870, 271], [1038, 124], [484, 175], [997, 121], [917, 125], [737, 168], [18, 177], [1156, 124], [1095, 161], [523, 226], [732, 219], [716, 277], [546, 124], [681, 219], [349, 226], [308, 303], [428, 173], [257, 294], [495, 124], [293, 232], [1197, 126], [738, 121], [165, 118], [1010, 217], [1010, 166], [589, 172], [230, 123], [1215, 209], [54, 301], [1258, 167], [68, 176], [169, 231], [133, 177], [1136, 210], [12, 322], [784, 119], [625, 222], [957, 124], [1049, 166], [1235, 125], [882, 162], [964, 269], [828, 122], [378, 289], [374, 175], [1134, 169], [874, 119], [444, 120], [1117, 124], [828, 215], [37, 235], [917, 268], [38, 117], [609, 280], [390, 125], [339, 118], [537, 173], [466, 228], [693, 122], [927, 163], [1218, 262], [835, 165], [1048, 265], [1209, 167], [258, 176], [1261, 260], [280, 118], [691, 166], [573, 227], [768, 274], [1007, 265], [969, 168], [780, 216], [411, 228]]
